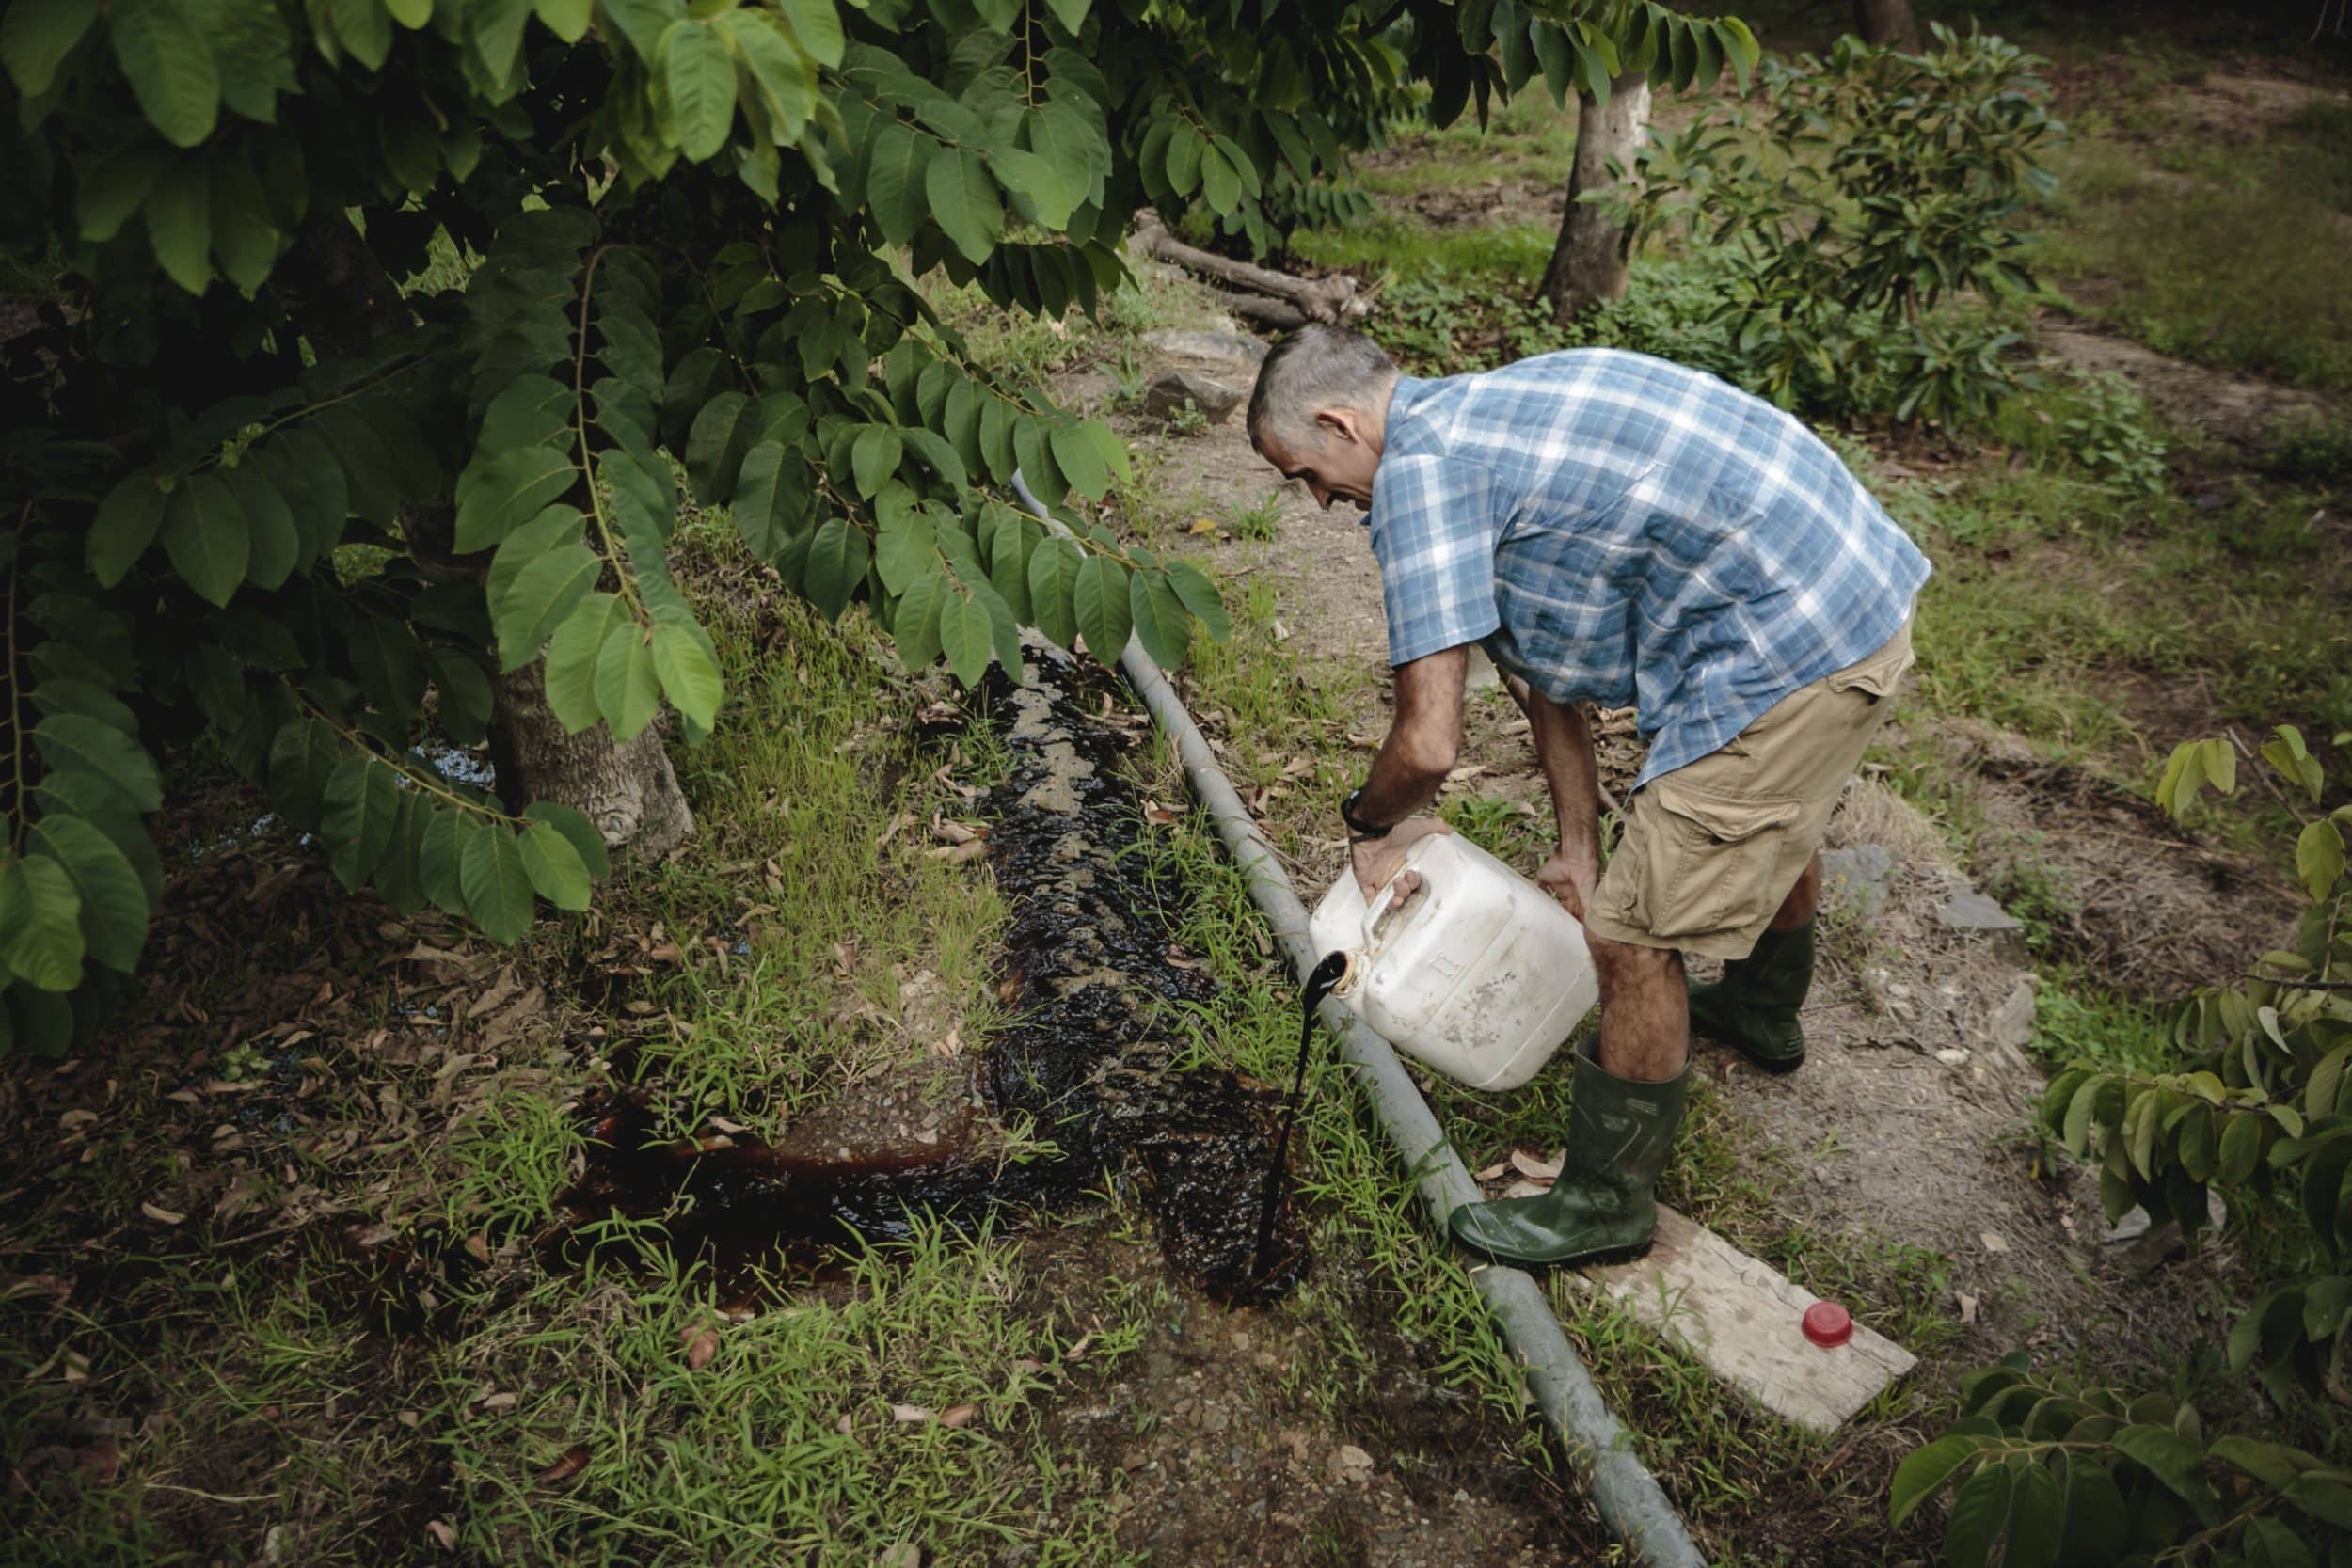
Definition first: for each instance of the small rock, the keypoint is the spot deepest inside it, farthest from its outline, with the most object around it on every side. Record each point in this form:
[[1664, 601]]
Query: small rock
[[1859, 878], [2011, 1028], [1952, 1057], [1350, 1463], [1969, 910], [2135, 1223], [1231, 346], [1166, 397]]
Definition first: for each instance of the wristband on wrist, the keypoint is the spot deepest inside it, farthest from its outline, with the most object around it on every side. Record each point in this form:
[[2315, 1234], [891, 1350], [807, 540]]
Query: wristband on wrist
[[1358, 829]]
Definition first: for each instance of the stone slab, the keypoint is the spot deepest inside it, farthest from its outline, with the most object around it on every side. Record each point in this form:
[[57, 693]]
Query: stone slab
[[1859, 878], [1169, 396], [1740, 1316]]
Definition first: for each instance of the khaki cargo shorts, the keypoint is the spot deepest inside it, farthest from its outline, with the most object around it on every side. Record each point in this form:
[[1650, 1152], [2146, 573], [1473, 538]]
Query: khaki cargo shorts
[[1709, 850]]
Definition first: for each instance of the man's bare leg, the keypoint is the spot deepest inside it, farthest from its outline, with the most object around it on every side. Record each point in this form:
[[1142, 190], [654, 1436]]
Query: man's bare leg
[[1644, 1010]]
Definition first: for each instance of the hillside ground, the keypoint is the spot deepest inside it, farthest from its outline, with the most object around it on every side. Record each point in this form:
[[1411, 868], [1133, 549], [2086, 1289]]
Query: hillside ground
[[284, 1279]]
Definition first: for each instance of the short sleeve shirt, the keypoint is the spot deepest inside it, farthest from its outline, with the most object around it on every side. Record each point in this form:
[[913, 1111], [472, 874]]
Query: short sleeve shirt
[[1621, 530]]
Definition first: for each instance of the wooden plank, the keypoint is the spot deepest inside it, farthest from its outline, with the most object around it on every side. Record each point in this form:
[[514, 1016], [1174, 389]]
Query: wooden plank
[[1740, 1316]]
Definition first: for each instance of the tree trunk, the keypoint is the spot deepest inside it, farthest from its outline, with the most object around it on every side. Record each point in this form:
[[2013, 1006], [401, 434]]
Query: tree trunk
[[628, 791], [1888, 23], [1589, 262]]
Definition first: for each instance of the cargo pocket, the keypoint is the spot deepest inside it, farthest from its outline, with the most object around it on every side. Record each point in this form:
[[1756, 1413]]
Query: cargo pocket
[[1716, 862], [1876, 677]]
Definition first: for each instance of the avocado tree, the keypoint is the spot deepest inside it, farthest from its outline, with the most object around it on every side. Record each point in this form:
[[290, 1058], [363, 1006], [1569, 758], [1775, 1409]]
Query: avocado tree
[[368, 350]]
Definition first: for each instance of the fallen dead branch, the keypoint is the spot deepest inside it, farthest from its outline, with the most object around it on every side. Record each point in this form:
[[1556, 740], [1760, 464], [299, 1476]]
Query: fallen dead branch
[[1292, 302]]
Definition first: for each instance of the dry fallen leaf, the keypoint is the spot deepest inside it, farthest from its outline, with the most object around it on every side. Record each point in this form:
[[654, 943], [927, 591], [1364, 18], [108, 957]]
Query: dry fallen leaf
[[575, 1460], [1494, 1171], [1157, 814], [957, 854], [160, 1216], [1993, 1241], [906, 1554], [1967, 1306], [1526, 1189], [909, 1415], [442, 1535], [478, 1248], [1535, 1167], [701, 1342], [732, 1129], [1078, 1350], [958, 1414]]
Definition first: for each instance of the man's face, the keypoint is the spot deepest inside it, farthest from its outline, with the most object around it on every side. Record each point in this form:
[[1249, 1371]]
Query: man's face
[[1341, 467]]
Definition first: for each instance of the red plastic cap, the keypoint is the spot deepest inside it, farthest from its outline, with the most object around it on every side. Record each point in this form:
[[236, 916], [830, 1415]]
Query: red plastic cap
[[1828, 1325]]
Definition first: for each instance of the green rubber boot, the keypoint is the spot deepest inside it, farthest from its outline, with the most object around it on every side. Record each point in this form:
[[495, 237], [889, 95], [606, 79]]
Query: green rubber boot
[[1754, 1006], [1600, 1209]]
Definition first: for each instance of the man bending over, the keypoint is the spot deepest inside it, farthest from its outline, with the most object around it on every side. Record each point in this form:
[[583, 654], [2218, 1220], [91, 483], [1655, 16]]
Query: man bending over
[[1615, 529]]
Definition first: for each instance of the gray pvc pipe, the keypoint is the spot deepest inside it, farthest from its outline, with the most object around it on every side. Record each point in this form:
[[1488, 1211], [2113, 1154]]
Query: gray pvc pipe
[[1627, 1495]]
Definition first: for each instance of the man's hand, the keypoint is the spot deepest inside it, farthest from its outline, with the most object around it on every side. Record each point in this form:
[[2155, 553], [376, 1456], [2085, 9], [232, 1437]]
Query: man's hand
[[1375, 859], [1569, 875]]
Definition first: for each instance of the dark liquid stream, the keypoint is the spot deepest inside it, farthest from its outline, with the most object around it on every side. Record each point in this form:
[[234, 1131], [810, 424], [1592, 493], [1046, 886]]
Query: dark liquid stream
[[1319, 983], [1086, 1057]]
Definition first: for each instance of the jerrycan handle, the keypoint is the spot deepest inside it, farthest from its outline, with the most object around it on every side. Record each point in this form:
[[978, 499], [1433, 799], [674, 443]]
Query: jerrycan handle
[[1386, 902]]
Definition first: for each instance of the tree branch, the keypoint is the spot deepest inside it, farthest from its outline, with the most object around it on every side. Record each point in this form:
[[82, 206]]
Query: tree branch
[[1333, 300]]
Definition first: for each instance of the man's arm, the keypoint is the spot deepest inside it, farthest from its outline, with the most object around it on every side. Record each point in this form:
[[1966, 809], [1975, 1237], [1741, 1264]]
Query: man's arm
[[1411, 764], [1564, 745]]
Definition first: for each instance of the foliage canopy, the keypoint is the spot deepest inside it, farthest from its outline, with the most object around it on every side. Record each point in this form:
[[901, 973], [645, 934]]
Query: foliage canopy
[[372, 337]]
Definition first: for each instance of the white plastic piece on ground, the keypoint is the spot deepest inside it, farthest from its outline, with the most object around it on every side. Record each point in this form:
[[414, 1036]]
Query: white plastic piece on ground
[[1740, 1317], [1480, 974]]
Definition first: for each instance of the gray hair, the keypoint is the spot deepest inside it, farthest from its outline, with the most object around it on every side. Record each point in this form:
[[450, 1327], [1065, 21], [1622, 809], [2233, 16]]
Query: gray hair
[[1313, 369]]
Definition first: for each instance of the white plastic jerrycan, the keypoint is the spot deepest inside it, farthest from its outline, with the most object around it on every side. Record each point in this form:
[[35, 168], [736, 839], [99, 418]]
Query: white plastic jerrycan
[[1481, 974]]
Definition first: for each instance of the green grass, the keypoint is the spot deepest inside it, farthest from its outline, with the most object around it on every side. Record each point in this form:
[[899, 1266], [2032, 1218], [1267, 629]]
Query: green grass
[[785, 1446], [2233, 255]]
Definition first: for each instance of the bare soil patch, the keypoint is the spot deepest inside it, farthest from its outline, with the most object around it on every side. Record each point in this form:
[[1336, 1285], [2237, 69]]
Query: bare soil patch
[[2240, 409]]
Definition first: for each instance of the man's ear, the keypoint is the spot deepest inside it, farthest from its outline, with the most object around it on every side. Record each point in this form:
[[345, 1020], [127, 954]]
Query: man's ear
[[1338, 421]]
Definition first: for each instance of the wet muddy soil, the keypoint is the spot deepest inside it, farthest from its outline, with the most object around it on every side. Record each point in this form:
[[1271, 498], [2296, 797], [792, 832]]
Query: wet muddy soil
[[1082, 1074]]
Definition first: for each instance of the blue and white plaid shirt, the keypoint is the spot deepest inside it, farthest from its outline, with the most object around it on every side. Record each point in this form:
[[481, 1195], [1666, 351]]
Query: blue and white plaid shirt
[[1619, 529]]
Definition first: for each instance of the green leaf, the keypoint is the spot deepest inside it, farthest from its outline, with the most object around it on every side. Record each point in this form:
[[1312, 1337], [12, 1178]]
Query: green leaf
[[541, 597], [1081, 462], [496, 497], [554, 866], [964, 201], [114, 906], [837, 565], [1161, 620], [125, 525], [1925, 1473], [74, 740], [572, 656], [277, 545], [713, 451], [2319, 858], [573, 825], [496, 887], [944, 459], [398, 872], [441, 849], [1101, 609], [914, 623], [1221, 186], [1053, 193], [567, 19], [2270, 1544], [2180, 1469], [905, 550], [816, 25], [964, 634], [1199, 595], [1053, 588], [530, 411], [362, 798], [2241, 1147], [1072, 14], [180, 228], [1979, 1516], [36, 36], [169, 66], [206, 537], [628, 691], [553, 528], [896, 179], [874, 457], [695, 63], [689, 675], [40, 925], [781, 72]]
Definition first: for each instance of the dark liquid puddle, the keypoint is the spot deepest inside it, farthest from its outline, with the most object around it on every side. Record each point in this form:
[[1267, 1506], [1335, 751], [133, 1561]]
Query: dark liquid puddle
[[1082, 1058]]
